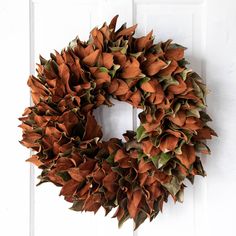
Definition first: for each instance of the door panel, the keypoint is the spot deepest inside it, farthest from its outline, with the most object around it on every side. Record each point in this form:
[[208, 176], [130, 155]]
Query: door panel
[[33, 27], [184, 23], [54, 29]]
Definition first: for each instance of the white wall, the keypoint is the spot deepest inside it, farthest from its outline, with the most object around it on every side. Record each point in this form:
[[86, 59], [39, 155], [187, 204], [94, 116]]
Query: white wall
[[206, 27]]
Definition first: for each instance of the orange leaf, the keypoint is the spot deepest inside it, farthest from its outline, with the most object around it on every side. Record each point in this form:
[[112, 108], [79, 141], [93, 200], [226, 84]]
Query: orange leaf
[[179, 118], [142, 42], [102, 77], [131, 70], [149, 86], [113, 86], [122, 88], [119, 155], [147, 146], [168, 143], [92, 58], [144, 166], [136, 98], [34, 159], [107, 60], [155, 67], [169, 69], [178, 89]]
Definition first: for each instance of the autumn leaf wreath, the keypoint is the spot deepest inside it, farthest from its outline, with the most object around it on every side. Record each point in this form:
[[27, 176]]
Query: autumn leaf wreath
[[136, 176]]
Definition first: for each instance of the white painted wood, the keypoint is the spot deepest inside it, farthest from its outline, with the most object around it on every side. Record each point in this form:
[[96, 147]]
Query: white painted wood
[[181, 22], [14, 97], [206, 27], [221, 74], [53, 29]]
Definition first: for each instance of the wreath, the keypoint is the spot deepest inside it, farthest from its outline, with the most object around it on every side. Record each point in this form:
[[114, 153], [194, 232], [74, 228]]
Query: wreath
[[136, 176]]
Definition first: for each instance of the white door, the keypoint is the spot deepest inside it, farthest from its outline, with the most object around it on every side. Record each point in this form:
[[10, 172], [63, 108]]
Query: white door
[[205, 27]]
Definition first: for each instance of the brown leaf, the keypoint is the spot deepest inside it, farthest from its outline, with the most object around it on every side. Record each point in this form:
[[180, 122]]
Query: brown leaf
[[69, 188], [112, 24], [67, 121], [175, 53], [188, 157], [127, 31], [75, 174], [109, 182], [205, 133], [134, 202], [92, 129]]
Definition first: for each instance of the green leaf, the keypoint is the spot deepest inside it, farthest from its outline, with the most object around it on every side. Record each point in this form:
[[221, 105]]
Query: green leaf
[[161, 159], [64, 175], [198, 90], [141, 133], [155, 160], [193, 112], [43, 61], [103, 69], [177, 107], [185, 73], [202, 148], [132, 144], [113, 71], [73, 43], [175, 45], [123, 219], [164, 158], [173, 186], [183, 62], [180, 195], [170, 81], [143, 80], [205, 117], [110, 159], [199, 167], [141, 155], [141, 217], [178, 149], [136, 55], [77, 206]]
